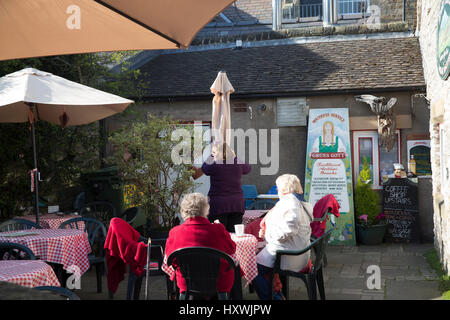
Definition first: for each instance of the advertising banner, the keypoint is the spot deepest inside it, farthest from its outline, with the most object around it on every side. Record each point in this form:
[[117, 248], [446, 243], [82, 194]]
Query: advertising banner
[[329, 168]]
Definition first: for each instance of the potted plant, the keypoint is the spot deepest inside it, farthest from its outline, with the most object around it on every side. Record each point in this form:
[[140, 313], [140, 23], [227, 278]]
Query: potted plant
[[371, 226]]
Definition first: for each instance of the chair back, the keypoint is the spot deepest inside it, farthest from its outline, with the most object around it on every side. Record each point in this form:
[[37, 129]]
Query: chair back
[[156, 251], [200, 266], [94, 228], [15, 251], [100, 210], [60, 291], [18, 224], [262, 204], [319, 246], [250, 193]]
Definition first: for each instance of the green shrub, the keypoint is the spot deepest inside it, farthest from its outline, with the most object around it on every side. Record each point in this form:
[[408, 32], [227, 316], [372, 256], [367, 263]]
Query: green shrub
[[366, 199]]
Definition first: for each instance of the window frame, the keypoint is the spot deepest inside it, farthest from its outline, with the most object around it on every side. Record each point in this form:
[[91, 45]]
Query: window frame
[[355, 15], [376, 155]]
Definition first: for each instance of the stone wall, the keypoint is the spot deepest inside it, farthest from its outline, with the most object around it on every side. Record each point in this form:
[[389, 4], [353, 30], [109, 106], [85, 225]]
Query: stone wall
[[438, 93], [292, 140], [393, 10], [253, 19]]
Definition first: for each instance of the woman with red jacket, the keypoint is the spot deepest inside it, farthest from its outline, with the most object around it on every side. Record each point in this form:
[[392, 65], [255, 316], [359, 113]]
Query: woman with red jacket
[[198, 231]]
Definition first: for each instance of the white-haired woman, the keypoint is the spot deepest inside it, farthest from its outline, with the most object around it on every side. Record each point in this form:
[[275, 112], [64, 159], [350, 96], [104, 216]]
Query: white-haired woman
[[198, 231], [285, 227]]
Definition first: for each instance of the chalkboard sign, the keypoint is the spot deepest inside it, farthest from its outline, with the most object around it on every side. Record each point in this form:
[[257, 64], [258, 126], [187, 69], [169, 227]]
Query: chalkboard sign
[[400, 204]]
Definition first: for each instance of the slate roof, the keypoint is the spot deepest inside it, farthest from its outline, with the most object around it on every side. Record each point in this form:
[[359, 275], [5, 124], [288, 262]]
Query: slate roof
[[311, 68]]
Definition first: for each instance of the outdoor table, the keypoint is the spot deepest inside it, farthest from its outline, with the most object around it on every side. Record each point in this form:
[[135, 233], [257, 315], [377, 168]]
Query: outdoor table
[[251, 215], [52, 220], [28, 273], [68, 247], [246, 247], [268, 196]]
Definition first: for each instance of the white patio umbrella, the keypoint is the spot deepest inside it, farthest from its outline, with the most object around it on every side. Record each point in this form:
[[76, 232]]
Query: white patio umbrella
[[36, 28], [29, 95], [221, 120]]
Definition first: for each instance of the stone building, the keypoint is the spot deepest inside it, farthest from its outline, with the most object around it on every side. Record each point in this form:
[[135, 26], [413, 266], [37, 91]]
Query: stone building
[[311, 60], [438, 95]]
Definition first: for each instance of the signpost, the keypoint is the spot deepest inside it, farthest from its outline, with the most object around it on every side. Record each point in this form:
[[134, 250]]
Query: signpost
[[401, 208], [329, 169]]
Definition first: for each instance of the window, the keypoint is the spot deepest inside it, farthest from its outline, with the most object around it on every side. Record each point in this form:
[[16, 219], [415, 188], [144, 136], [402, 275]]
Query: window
[[353, 6], [301, 9], [381, 162], [291, 112]]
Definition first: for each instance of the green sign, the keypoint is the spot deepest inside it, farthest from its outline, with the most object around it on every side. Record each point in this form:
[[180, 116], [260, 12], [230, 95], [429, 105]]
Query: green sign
[[329, 169], [443, 40]]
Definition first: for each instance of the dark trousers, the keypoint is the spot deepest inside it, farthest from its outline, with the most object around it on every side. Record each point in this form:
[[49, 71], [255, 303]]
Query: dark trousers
[[228, 219], [262, 286]]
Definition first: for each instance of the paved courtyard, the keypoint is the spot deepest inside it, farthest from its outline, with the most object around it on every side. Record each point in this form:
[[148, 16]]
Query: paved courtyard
[[405, 275]]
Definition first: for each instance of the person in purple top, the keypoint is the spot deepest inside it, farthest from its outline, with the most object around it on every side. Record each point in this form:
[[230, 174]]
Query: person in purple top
[[226, 199]]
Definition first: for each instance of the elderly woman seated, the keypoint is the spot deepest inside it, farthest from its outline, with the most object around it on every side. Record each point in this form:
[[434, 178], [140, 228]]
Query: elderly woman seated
[[285, 227], [198, 231]]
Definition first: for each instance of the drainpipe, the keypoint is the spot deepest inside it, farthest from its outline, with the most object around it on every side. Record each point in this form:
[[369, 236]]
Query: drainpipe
[[276, 15]]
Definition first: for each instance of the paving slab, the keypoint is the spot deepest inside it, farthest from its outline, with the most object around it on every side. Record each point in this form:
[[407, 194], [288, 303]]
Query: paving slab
[[405, 275], [412, 290]]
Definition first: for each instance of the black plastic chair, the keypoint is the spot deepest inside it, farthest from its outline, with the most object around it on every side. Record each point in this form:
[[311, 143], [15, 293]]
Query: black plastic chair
[[262, 204], [96, 235], [100, 210], [63, 292], [15, 251], [18, 224], [312, 279], [200, 266]]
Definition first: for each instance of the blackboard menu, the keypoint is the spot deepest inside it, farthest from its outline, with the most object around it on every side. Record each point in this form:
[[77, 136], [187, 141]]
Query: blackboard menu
[[401, 208]]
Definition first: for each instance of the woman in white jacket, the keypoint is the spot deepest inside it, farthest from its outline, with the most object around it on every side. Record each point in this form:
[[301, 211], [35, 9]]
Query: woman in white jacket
[[285, 227]]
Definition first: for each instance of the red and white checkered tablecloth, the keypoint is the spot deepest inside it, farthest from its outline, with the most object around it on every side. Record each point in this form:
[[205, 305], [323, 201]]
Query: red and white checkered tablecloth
[[245, 254], [251, 215], [52, 220], [68, 247], [28, 273]]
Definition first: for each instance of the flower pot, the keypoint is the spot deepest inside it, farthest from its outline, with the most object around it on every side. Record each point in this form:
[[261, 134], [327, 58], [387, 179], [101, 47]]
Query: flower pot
[[371, 235]]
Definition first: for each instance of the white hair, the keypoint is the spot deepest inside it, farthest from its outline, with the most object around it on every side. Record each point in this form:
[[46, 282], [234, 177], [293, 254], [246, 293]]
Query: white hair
[[288, 183], [194, 205]]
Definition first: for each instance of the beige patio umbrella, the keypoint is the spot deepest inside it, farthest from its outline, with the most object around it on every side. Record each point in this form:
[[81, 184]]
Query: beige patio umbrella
[[221, 121], [35, 28], [29, 95]]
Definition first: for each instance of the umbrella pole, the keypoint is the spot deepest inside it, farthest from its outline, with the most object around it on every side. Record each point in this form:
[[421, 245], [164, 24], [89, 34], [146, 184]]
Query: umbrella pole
[[36, 172]]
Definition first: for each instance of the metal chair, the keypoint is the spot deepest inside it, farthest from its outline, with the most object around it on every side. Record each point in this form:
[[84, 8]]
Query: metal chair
[[18, 224], [96, 235], [312, 279], [155, 252], [15, 251], [100, 210], [200, 266], [69, 295]]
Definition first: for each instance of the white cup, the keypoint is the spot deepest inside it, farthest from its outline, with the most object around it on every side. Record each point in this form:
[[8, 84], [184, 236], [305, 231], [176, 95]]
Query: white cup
[[239, 229]]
